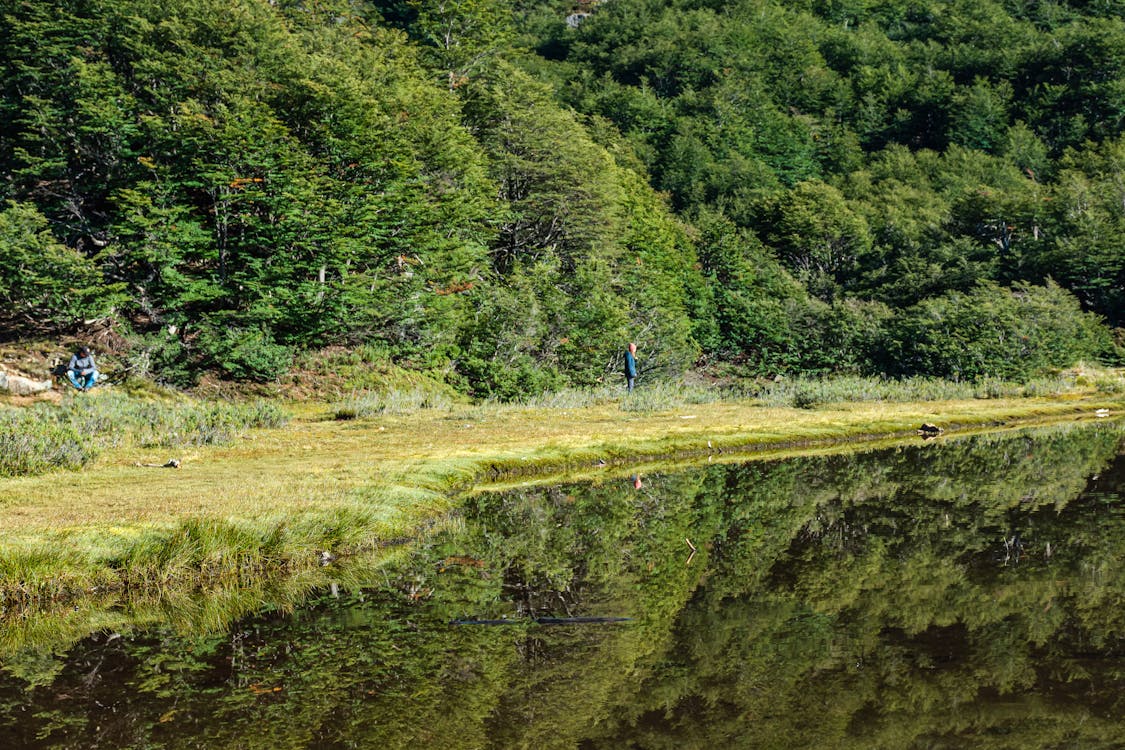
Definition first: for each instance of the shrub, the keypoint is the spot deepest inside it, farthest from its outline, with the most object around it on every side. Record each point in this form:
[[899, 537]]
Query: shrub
[[1012, 334], [163, 357], [32, 443], [247, 354], [513, 380], [42, 279]]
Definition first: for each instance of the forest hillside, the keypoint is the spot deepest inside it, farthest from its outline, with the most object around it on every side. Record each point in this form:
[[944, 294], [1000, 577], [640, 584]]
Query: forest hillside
[[502, 194]]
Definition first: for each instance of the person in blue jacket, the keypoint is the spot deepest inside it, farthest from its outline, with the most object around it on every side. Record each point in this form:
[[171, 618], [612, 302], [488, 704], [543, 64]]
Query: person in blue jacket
[[82, 371], [630, 367]]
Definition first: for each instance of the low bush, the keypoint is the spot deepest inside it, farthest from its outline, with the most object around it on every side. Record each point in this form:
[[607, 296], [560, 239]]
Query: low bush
[[994, 332], [32, 444]]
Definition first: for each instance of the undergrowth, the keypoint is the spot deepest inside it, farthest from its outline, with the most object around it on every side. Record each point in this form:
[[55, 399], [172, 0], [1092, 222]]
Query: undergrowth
[[809, 392]]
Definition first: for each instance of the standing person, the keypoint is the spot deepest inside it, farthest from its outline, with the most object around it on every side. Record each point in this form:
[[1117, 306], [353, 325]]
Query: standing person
[[630, 367], [82, 371]]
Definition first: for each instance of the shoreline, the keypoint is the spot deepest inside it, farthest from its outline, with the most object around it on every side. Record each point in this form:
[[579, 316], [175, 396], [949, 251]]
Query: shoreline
[[279, 499]]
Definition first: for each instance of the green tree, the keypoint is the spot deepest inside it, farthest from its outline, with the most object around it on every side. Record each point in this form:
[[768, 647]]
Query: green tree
[[44, 284], [1086, 249], [817, 235], [466, 35], [979, 118]]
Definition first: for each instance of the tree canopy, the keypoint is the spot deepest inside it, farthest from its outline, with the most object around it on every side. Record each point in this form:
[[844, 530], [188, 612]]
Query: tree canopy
[[483, 191]]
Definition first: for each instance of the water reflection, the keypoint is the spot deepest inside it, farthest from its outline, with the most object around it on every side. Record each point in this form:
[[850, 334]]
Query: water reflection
[[964, 593]]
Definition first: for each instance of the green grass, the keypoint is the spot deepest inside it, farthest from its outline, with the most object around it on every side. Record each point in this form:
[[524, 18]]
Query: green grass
[[804, 392], [45, 436], [274, 500], [362, 405]]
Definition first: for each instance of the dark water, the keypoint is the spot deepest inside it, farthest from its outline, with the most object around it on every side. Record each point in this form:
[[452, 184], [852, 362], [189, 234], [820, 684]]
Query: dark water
[[962, 593]]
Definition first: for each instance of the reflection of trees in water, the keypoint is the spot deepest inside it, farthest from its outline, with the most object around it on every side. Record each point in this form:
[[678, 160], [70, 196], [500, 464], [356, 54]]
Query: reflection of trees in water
[[868, 604], [852, 601]]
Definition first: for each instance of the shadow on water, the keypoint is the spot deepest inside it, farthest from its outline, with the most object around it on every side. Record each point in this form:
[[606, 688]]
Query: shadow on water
[[961, 593]]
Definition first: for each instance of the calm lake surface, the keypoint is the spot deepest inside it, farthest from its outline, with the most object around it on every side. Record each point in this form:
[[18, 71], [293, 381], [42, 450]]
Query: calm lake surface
[[959, 593]]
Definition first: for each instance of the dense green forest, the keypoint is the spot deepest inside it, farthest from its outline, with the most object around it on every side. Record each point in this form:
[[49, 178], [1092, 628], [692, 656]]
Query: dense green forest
[[486, 192]]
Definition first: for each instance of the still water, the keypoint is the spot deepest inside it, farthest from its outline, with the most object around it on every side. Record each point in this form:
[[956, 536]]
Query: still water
[[963, 593]]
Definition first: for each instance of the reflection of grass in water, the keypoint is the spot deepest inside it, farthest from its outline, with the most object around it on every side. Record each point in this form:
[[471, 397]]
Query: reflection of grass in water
[[277, 498], [197, 608]]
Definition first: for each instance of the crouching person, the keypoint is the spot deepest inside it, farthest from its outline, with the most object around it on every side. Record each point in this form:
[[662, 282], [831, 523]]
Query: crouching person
[[82, 371]]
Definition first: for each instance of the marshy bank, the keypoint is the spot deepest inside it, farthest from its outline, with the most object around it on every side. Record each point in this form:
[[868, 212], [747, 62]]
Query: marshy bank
[[264, 488]]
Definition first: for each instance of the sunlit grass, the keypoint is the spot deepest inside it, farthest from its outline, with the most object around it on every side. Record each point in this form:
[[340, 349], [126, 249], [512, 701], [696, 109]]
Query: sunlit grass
[[280, 496], [207, 606], [70, 435], [361, 405]]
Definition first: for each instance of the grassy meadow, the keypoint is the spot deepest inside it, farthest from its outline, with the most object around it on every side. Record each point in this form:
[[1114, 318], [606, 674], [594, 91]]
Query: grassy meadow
[[264, 488]]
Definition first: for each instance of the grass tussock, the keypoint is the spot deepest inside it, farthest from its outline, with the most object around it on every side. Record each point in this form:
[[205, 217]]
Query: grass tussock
[[207, 551], [200, 608], [43, 573], [69, 435], [367, 404]]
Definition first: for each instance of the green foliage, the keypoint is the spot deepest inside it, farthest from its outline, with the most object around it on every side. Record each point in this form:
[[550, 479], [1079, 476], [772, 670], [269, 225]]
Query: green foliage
[[1084, 250], [471, 187], [163, 357], [43, 283], [817, 236], [464, 35], [1007, 333], [246, 354]]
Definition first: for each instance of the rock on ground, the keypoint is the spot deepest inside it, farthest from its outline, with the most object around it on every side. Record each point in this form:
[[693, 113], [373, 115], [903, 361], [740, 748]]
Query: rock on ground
[[21, 386]]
